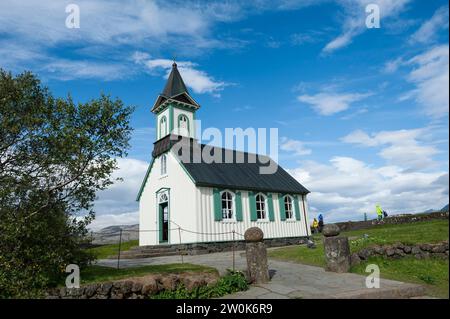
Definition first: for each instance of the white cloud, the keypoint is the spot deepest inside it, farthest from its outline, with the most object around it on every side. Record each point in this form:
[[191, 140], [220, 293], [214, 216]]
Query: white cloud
[[392, 65], [346, 188], [330, 103], [431, 78], [404, 148], [63, 69], [196, 79], [355, 17], [121, 196], [298, 148], [428, 30]]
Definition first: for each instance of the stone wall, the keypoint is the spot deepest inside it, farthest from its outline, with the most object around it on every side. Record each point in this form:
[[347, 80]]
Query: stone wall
[[135, 288], [394, 219], [399, 250]]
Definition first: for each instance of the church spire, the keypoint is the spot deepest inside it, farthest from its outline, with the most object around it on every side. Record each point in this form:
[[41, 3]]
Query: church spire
[[175, 84], [175, 91]]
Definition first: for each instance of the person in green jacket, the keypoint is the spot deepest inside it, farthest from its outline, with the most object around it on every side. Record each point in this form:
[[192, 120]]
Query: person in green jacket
[[379, 212]]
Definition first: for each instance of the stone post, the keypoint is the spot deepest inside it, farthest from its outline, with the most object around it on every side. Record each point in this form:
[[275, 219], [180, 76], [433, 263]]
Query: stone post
[[337, 249], [256, 253]]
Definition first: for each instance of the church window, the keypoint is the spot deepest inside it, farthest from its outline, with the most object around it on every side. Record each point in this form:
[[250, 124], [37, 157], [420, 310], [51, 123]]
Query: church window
[[288, 207], [163, 127], [183, 123], [261, 206], [163, 165], [227, 205]]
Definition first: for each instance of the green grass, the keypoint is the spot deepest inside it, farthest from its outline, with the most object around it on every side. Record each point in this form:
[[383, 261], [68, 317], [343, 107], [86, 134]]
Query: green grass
[[106, 251], [432, 273], [93, 274], [406, 269]]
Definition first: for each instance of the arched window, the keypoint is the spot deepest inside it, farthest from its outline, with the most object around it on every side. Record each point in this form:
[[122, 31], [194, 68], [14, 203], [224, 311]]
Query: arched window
[[261, 206], [162, 127], [163, 165], [288, 207], [227, 205], [183, 123]]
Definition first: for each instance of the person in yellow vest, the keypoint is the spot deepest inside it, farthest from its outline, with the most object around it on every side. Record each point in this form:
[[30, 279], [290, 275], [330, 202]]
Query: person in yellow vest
[[315, 226], [379, 212]]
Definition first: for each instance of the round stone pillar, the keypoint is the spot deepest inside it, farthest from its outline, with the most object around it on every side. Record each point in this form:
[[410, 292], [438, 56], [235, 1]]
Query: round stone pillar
[[256, 253]]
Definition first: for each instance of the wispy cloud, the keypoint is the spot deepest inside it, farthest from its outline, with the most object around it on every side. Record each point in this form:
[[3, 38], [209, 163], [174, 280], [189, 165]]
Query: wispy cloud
[[355, 17], [198, 80], [427, 32], [401, 147], [329, 103], [296, 147], [431, 78]]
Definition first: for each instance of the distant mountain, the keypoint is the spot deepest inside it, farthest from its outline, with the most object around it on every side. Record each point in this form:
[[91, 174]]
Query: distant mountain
[[429, 211], [445, 208], [111, 234]]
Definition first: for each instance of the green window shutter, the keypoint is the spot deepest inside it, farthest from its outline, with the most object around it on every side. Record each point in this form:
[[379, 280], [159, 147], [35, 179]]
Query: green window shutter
[[282, 208], [238, 206], [270, 206], [297, 208], [252, 200], [217, 205]]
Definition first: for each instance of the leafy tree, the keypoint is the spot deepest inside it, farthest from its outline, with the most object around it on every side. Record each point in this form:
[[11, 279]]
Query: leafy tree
[[54, 157]]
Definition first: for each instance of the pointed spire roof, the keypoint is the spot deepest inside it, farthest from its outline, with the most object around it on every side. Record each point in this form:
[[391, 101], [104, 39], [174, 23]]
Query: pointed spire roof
[[175, 91], [175, 84]]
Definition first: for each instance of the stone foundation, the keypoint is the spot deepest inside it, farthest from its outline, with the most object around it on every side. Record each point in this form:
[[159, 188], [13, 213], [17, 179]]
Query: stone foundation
[[203, 248]]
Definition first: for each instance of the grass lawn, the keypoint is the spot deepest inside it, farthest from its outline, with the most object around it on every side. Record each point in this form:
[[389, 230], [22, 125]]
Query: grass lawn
[[432, 272], [105, 251], [96, 273]]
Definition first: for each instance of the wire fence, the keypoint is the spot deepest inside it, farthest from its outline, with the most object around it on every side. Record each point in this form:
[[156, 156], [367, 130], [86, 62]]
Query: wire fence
[[183, 247]]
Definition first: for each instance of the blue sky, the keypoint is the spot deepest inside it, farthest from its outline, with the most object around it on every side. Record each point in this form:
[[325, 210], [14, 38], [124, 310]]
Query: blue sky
[[362, 113]]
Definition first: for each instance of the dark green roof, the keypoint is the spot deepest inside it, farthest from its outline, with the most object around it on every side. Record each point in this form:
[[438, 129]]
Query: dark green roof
[[175, 84], [244, 175]]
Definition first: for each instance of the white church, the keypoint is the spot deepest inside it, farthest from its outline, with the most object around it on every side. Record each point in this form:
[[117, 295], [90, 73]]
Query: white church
[[208, 201]]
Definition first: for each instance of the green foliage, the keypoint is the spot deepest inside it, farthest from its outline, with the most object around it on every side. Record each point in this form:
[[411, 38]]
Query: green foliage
[[54, 156], [232, 282], [95, 273]]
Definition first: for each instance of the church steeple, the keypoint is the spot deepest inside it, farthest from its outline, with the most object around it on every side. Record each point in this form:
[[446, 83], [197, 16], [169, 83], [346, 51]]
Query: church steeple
[[175, 108], [175, 84]]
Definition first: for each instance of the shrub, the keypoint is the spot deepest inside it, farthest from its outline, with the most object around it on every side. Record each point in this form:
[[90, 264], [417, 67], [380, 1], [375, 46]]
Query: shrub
[[233, 281]]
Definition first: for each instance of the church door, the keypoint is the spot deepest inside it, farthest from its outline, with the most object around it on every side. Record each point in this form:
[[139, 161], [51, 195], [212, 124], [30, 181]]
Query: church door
[[163, 222]]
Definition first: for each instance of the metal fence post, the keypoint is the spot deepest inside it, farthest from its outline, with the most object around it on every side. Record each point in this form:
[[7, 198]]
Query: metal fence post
[[181, 253], [234, 243], [120, 244]]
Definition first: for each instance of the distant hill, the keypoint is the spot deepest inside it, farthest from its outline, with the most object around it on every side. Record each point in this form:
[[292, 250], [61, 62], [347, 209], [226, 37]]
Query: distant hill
[[111, 234], [445, 208]]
